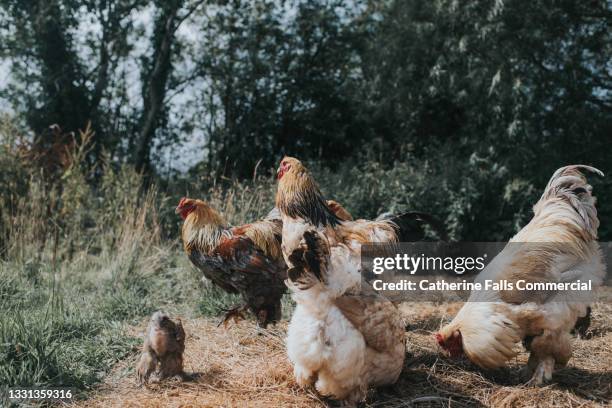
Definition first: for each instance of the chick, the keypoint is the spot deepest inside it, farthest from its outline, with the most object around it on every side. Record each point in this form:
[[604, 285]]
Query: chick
[[163, 348]]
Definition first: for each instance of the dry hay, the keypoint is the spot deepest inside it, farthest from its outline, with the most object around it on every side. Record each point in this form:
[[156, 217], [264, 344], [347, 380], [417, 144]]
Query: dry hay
[[244, 366], [238, 366]]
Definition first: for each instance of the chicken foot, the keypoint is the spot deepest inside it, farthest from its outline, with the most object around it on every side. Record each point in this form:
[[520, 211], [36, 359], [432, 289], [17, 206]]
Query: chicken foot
[[303, 376], [234, 314], [549, 350]]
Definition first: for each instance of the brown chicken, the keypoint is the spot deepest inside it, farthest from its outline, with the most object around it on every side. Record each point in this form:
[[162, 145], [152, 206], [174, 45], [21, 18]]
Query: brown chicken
[[557, 246], [343, 336], [163, 348], [245, 260]]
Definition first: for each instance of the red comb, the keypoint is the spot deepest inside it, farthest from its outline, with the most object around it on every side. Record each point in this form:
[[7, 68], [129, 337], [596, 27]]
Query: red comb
[[182, 201], [439, 338]]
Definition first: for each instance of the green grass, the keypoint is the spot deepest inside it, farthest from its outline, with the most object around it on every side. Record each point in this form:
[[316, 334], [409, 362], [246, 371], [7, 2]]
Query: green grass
[[71, 332], [82, 262]]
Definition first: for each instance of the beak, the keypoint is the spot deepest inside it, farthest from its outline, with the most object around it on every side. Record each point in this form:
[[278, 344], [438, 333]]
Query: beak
[[177, 210]]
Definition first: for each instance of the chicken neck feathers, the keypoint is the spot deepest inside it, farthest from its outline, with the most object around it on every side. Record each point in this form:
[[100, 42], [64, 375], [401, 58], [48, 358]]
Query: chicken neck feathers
[[299, 196], [205, 229]]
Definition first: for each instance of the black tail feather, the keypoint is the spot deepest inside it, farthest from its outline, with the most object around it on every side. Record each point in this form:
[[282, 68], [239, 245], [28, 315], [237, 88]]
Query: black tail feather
[[309, 260], [410, 225]]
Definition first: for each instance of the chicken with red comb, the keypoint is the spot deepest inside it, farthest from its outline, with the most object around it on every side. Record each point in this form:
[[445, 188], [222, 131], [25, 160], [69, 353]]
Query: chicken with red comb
[[559, 245]]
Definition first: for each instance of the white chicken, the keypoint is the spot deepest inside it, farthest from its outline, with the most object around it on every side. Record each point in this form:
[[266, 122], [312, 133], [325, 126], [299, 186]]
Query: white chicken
[[343, 336], [557, 246]]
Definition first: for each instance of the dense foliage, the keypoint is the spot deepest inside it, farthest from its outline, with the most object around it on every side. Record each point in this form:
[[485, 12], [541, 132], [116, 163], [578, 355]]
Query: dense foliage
[[480, 101]]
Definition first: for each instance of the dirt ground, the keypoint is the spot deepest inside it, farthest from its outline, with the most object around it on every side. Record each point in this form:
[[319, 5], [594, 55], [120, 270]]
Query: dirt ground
[[244, 366]]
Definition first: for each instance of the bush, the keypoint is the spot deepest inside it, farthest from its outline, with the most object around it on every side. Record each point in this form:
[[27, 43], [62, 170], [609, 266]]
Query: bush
[[476, 199]]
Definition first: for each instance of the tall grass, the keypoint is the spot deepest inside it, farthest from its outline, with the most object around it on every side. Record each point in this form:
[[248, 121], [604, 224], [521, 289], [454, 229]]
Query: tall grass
[[85, 251], [78, 261]]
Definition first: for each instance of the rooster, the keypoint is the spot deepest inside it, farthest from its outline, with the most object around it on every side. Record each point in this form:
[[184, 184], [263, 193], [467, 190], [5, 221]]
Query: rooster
[[245, 260], [343, 336], [558, 245]]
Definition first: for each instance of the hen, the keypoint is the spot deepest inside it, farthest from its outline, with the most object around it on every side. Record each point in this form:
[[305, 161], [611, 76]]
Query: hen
[[245, 260], [558, 245], [343, 336]]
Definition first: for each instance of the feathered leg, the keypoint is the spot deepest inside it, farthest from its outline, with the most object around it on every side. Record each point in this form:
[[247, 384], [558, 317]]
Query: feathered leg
[[305, 346], [350, 396], [303, 376], [234, 314], [550, 350], [171, 365], [146, 366], [268, 313]]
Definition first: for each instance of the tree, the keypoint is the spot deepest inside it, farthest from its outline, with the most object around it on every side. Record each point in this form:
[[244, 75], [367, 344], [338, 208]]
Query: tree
[[66, 75], [278, 82], [156, 72], [525, 80], [53, 84]]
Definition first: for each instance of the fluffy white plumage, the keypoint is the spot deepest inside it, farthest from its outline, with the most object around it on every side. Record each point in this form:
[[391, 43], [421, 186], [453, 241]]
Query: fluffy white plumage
[[558, 245], [343, 336]]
